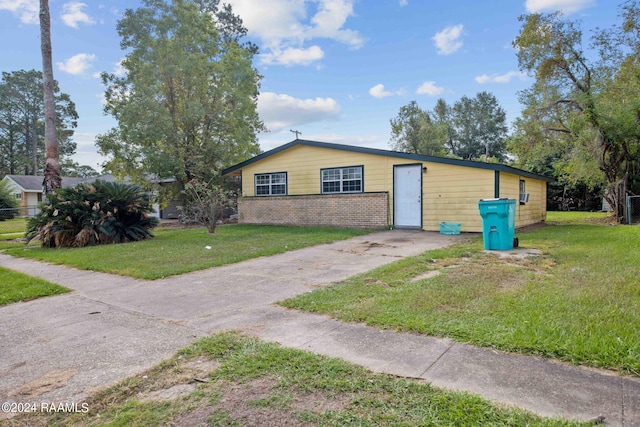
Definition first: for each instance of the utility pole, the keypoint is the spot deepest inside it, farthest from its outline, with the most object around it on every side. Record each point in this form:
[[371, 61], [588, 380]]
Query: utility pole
[[297, 132]]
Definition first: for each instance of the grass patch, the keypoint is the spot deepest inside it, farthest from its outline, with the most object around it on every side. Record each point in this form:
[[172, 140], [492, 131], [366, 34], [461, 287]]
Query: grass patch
[[574, 217], [16, 225], [15, 287], [578, 301], [178, 251], [241, 381], [12, 233]]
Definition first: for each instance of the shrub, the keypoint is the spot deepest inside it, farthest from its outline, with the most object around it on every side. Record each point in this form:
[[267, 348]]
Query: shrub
[[206, 203], [8, 202], [93, 214]]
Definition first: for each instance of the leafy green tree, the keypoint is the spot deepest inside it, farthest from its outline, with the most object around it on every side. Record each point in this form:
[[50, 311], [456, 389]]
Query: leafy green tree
[[8, 202], [186, 106], [413, 131], [479, 128], [589, 108], [22, 123], [82, 171], [442, 116]]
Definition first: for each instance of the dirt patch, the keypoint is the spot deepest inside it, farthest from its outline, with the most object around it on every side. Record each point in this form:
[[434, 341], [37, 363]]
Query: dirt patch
[[374, 281], [318, 403], [180, 381], [201, 364], [195, 418], [249, 404], [237, 398], [427, 275], [519, 253], [179, 390], [50, 381]]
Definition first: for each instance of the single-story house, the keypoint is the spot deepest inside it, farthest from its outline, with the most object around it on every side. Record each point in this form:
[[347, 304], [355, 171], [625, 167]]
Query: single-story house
[[28, 189], [317, 183]]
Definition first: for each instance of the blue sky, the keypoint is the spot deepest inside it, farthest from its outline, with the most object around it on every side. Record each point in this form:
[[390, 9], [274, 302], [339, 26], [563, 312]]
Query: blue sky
[[335, 70]]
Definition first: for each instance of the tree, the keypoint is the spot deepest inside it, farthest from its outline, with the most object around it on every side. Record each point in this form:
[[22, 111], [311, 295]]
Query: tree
[[83, 171], [592, 108], [413, 131], [479, 128], [8, 202], [186, 107], [52, 180], [206, 203], [22, 123]]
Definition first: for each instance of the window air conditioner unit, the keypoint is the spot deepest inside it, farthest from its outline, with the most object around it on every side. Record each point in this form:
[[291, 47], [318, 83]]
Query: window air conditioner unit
[[524, 197]]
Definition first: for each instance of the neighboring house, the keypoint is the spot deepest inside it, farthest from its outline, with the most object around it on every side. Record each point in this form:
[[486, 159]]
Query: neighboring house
[[28, 189], [316, 183]]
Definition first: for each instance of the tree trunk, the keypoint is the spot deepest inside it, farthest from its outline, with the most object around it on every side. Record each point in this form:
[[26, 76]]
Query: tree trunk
[[52, 180]]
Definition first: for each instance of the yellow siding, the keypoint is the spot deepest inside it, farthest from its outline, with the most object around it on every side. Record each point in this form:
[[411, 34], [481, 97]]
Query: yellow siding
[[303, 164], [535, 209], [450, 192]]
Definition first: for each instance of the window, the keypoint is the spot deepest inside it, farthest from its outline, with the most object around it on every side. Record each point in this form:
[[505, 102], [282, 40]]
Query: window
[[18, 196], [524, 196], [342, 180], [271, 184]]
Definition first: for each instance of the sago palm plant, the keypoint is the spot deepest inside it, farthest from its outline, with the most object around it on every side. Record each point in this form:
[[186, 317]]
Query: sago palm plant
[[92, 214]]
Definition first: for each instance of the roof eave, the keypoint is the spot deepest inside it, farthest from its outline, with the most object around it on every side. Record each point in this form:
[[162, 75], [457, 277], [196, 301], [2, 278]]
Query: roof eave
[[379, 152]]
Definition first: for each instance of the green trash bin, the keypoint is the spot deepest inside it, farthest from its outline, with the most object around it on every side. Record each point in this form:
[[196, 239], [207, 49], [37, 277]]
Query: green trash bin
[[498, 223]]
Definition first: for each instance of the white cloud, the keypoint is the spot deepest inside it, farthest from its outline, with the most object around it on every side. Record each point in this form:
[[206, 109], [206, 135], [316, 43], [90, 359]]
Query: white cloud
[[119, 70], [293, 56], [73, 14], [77, 64], [279, 111], [404, 3], [329, 20], [448, 40], [429, 88], [284, 26], [26, 10], [379, 92], [565, 6], [500, 78]]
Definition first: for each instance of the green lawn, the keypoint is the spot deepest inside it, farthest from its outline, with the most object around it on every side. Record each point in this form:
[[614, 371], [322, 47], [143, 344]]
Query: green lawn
[[578, 301], [11, 233], [177, 251], [241, 381], [17, 225], [16, 287]]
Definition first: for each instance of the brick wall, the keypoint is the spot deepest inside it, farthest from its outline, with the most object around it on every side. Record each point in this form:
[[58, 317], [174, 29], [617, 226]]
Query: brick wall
[[361, 210]]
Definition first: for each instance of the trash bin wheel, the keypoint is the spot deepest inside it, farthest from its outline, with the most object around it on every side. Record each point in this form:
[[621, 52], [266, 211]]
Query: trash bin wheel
[[515, 242]]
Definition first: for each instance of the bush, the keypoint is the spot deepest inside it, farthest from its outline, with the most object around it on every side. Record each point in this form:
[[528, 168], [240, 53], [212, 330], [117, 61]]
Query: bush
[[8, 202], [93, 214], [206, 203]]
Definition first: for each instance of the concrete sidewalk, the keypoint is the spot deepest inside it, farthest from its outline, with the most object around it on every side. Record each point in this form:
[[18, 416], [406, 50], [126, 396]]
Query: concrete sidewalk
[[60, 349]]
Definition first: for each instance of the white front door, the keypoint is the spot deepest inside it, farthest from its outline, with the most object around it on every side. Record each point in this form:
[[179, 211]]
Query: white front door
[[407, 196]]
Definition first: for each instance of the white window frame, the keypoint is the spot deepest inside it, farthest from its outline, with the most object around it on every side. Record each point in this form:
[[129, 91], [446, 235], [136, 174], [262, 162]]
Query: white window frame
[[342, 176], [270, 181]]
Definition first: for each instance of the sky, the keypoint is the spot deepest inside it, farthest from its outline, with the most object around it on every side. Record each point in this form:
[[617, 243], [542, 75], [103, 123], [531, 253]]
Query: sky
[[334, 70]]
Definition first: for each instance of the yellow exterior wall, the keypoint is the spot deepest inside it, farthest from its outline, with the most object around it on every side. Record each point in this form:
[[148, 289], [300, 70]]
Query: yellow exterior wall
[[303, 163], [535, 210], [450, 192]]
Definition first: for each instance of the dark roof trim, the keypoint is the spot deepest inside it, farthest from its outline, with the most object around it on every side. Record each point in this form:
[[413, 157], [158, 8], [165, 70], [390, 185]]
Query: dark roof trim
[[387, 153]]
